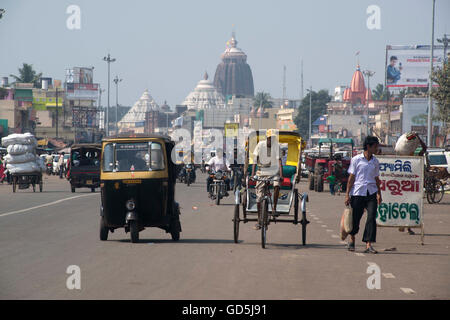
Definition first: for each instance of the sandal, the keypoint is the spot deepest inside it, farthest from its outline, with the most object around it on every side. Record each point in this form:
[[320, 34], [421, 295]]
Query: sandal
[[370, 249], [351, 246]]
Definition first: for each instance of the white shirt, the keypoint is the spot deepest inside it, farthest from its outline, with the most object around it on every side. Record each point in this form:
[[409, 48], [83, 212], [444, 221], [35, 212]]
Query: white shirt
[[217, 164], [267, 164], [365, 173]]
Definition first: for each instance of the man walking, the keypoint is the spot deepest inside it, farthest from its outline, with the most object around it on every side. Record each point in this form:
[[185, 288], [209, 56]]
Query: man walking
[[363, 192]]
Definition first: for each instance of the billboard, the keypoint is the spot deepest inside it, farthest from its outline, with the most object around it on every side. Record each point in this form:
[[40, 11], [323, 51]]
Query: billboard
[[79, 75], [409, 66], [79, 91], [402, 191], [84, 117]]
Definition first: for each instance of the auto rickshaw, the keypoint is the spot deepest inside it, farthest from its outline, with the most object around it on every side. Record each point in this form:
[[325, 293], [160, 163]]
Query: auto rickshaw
[[84, 166], [138, 186], [289, 198]]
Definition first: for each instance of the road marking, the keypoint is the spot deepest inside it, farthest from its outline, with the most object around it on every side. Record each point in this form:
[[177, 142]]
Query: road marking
[[408, 290], [328, 230], [335, 236], [315, 218], [360, 255], [324, 225], [44, 205], [388, 276], [343, 242]]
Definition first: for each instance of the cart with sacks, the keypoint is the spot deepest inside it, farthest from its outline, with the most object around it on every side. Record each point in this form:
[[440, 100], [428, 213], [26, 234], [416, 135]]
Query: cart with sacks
[[24, 166]]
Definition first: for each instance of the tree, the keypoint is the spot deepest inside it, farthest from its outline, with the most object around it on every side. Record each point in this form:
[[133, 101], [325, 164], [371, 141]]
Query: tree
[[27, 75], [319, 102], [379, 93], [262, 99], [441, 95]]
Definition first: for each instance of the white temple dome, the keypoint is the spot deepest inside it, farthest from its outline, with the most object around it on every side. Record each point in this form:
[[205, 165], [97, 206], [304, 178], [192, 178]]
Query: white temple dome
[[135, 117], [204, 96]]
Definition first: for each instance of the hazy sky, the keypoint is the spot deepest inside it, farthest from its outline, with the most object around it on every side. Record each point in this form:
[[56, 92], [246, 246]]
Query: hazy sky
[[166, 46]]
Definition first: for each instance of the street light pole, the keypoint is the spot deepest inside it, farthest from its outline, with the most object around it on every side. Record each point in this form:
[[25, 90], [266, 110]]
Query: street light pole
[[368, 74], [430, 85], [310, 106], [108, 59], [116, 81]]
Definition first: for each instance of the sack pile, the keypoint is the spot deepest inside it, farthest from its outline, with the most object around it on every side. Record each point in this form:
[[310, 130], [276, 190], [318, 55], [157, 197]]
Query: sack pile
[[407, 144], [21, 157]]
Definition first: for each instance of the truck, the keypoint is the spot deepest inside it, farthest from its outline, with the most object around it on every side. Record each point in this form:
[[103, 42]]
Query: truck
[[320, 165]]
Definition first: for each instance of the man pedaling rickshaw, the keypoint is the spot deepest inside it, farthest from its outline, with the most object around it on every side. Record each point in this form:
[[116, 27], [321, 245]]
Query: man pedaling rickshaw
[[267, 156]]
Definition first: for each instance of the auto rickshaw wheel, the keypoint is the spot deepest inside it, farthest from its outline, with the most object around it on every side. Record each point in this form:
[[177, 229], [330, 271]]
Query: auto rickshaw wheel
[[296, 205], [134, 231], [175, 230], [236, 221], [103, 230]]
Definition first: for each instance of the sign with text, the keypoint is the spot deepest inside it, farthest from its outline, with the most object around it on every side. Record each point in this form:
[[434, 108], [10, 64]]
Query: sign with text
[[402, 191]]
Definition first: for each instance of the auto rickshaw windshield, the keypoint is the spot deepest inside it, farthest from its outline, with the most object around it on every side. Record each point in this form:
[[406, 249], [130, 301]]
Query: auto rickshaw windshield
[[133, 157]]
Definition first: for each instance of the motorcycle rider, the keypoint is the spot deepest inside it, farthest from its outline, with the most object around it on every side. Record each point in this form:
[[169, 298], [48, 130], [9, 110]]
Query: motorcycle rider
[[49, 160], [189, 159], [216, 163]]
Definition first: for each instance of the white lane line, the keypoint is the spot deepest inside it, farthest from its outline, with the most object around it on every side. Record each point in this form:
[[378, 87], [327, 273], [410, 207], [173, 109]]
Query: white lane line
[[388, 276], [324, 225], [43, 205], [328, 230], [361, 255], [408, 290], [342, 242], [315, 218], [335, 236]]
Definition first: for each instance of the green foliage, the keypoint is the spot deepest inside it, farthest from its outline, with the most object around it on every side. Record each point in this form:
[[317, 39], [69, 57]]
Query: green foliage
[[441, 94], [379, 93], [27, 75], [319, 102], [262, 99]]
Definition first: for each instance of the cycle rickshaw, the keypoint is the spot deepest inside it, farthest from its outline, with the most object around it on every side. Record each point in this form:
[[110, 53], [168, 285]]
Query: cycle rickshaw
[[289, 197]]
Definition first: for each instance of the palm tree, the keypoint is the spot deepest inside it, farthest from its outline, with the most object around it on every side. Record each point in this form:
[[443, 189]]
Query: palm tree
[[263, 100], [379, 93], [27, 75]]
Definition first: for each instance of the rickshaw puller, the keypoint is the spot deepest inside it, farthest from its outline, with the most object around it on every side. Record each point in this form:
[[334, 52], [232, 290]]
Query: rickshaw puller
[[273, 168]]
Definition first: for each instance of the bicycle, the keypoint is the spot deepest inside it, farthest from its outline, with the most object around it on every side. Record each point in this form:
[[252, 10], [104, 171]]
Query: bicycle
[[263, 218], [434, 189]]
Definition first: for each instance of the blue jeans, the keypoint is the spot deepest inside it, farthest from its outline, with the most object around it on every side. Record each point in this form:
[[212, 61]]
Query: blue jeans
[[332, 188]]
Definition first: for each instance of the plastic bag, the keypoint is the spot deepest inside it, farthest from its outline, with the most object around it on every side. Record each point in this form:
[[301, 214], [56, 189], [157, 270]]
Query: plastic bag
[[19, 138], [21, 158], [16, 149], [346, 222], [28, 167], [407, 144]]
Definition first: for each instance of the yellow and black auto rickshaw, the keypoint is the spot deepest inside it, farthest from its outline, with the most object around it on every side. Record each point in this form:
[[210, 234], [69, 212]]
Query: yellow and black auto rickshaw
[[138, 186]]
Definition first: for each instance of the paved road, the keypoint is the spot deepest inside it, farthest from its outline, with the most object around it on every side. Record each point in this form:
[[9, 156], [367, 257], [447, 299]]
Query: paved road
[[41, 234]]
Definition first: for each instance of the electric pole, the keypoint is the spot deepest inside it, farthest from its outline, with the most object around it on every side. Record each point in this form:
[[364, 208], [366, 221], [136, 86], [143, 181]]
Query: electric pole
[[368, 74], [108, 59], [430, 85], [116, 81], [444, 40]]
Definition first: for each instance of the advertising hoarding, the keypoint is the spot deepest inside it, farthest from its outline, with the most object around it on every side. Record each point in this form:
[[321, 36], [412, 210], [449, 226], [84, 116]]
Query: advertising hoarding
[[79, 75], [402, 191], [84, 117], [78, 91], [409, 66]]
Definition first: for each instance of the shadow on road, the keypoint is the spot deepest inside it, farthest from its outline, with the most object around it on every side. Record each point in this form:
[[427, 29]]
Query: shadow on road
[[195, 241]]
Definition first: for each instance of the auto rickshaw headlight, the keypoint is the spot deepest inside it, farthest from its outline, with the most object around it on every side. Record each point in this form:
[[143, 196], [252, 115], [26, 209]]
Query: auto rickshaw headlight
[[219, 175], [130, 205]]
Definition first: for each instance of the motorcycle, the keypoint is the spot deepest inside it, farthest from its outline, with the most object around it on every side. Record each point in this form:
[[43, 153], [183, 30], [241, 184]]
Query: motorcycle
[[49, 168], [189, 175], [218, 188]]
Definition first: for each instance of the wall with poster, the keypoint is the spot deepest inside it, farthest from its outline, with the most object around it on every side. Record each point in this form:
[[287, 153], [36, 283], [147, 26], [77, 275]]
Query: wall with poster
[[409, 66]]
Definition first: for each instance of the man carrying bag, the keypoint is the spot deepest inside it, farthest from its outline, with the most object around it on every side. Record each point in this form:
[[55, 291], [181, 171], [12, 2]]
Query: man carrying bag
[[363, 192]]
